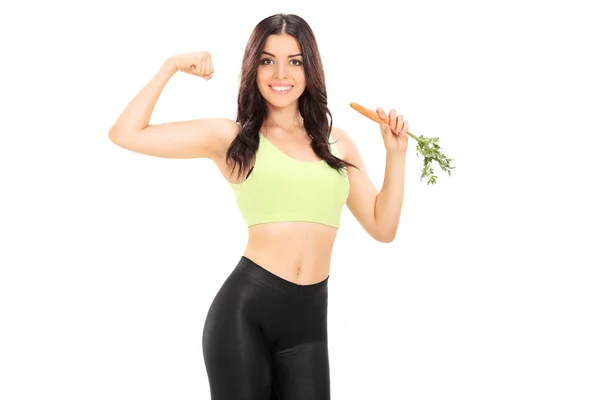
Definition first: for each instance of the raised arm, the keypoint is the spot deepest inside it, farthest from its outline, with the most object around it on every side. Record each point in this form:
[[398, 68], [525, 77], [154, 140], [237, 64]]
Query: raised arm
[[198, 138], [378, 211]]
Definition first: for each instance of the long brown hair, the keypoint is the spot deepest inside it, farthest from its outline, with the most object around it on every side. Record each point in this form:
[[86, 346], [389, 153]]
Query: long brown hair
[[312, 104]]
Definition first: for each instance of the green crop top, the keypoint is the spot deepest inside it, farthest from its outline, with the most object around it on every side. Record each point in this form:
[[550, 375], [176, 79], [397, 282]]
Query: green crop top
[[283, 189]]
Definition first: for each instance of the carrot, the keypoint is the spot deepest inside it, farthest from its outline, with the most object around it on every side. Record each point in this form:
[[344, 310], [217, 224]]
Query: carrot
[[368, 113], [427, 147]]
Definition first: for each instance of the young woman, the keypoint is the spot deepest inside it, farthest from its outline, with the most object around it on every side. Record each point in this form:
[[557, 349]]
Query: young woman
[[292, 172]]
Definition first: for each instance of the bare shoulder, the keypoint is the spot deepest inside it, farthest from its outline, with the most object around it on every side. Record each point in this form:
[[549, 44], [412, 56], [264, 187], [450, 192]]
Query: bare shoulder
[[216, 135], [344, 143], [224, 135]]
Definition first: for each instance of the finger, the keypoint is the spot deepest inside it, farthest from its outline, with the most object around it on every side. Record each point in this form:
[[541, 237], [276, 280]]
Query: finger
[[197, 69], [201, 72], [381, 114], [393, 120], [403, 129], [211, 65], [207, 68], [395, 129]]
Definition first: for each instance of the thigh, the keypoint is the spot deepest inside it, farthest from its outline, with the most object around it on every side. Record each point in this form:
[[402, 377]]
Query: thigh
[[302, 372], [236, 352], [301, 357]]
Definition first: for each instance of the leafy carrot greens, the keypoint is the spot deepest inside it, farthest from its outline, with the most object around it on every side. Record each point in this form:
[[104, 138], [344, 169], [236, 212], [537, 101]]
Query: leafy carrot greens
[[428, 147], [430, 150]]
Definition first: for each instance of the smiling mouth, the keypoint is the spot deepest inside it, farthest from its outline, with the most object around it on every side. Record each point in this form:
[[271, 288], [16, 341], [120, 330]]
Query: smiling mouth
[[281, 89]]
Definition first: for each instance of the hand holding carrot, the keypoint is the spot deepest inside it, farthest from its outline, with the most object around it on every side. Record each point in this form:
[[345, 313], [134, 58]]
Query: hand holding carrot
[[397, 141], [394, 129]]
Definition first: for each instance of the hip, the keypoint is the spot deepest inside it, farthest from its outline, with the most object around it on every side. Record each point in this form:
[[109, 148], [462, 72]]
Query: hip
[[253, 302]]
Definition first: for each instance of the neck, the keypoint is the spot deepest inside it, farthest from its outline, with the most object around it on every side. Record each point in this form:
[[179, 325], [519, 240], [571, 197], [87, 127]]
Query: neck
[[287, 118]]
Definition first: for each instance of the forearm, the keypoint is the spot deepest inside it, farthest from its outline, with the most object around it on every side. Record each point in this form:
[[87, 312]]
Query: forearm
[[388, 204], [136, 116]]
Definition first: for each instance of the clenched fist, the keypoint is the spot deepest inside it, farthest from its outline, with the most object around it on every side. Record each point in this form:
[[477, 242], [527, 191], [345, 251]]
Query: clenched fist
[[195, 63]]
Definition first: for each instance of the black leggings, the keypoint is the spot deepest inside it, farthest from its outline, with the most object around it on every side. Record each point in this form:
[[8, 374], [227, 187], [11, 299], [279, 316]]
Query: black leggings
[[265, 338]]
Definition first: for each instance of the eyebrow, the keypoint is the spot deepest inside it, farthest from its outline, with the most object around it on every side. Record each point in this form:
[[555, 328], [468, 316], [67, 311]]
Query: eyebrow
[[273, 55]]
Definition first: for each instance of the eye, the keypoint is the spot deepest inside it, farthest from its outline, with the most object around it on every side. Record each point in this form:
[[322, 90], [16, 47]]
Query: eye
[[296, 62], [265, 61]]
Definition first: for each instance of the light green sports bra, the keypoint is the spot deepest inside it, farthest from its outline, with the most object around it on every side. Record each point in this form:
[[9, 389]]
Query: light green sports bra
[[283, 189]]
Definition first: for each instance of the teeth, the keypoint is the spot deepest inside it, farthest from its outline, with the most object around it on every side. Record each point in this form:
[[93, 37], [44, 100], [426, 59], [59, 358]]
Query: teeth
[[281, 88]]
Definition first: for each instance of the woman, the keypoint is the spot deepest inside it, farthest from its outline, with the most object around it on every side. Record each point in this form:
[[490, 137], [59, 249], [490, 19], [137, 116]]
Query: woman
[[265, 335]]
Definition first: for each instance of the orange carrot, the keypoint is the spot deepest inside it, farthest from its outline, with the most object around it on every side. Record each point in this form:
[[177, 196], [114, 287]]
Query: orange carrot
[[372, 115]]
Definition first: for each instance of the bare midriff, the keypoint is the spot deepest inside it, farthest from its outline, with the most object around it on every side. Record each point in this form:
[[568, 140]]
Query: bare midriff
[[299, 252]]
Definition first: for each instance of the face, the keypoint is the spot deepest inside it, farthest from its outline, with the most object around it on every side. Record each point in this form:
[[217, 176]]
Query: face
[[280, 76]]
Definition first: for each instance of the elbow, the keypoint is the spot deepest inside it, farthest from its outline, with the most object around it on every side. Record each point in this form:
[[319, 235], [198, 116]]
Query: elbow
[[386, 233], [117, 136], [112, 135], [384, 237], [117, 131], [382, 234]]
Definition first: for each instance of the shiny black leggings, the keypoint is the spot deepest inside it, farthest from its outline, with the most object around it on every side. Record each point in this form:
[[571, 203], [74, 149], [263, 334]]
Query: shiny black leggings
[[265, 338]]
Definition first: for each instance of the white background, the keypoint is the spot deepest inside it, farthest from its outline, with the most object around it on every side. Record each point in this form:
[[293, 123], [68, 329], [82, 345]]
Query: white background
[[110, 259]]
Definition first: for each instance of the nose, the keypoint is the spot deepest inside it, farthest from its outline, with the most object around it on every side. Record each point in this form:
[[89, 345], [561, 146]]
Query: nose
[[281, 71]]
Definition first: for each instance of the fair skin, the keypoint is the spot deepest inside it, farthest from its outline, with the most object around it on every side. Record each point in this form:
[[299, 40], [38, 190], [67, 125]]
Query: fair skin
[[299, 252]]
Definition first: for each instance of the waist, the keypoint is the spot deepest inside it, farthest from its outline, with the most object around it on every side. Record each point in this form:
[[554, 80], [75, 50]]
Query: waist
[[259, 273], [297, 252]]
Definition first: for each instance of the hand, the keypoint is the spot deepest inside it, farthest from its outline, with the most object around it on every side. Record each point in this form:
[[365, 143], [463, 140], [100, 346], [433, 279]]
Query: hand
[[394, 131], [195, 63]]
